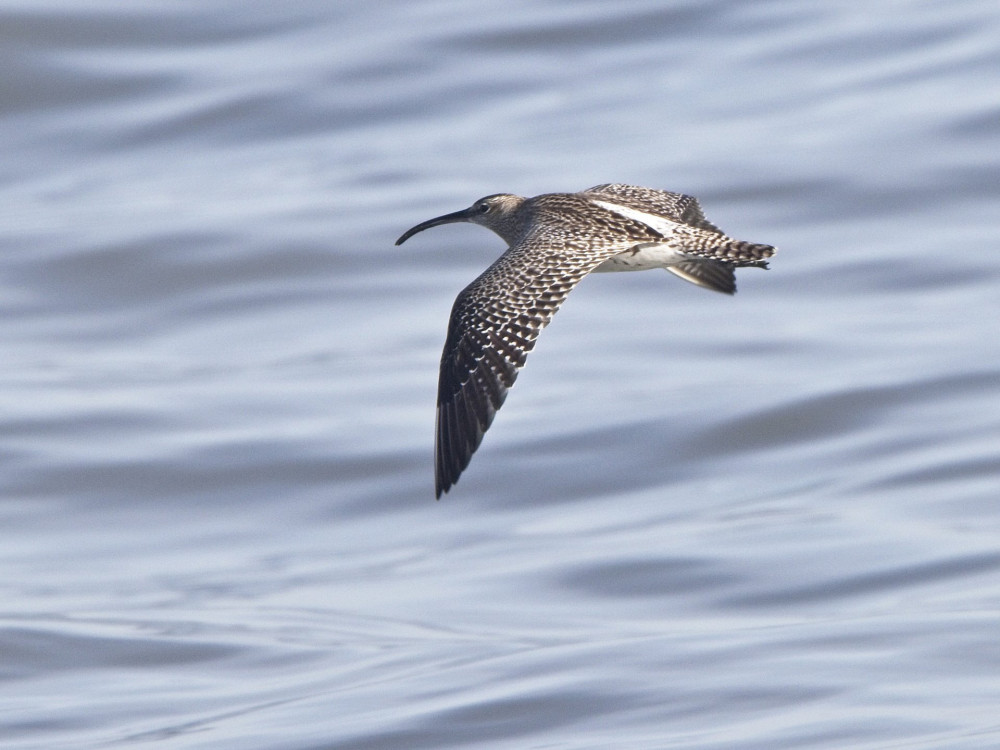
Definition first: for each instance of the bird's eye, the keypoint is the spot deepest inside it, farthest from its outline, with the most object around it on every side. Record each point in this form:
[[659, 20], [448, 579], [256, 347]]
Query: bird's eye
[[484, 208]]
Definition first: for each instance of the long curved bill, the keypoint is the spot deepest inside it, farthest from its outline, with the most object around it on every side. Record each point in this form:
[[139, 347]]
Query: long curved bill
[[452, 218]]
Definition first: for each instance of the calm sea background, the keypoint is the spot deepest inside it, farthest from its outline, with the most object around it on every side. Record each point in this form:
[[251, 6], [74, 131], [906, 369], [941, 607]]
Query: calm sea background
[[770, 521]]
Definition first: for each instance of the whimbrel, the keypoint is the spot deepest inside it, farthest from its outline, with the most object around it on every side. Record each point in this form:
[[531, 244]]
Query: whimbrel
[[554, 241]]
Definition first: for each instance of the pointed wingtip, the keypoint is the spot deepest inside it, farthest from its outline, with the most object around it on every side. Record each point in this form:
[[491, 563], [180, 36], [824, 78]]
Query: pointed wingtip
[[441, 488]]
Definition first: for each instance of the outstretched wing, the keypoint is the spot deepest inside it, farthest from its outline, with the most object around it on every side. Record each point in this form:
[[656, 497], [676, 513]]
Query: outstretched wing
[[676, 206], [494, 323]]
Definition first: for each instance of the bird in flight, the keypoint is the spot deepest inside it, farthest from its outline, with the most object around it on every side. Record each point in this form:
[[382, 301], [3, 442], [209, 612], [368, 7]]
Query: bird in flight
[[554, 241]]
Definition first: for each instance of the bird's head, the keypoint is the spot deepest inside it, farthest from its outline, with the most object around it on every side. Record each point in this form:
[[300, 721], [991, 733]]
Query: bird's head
[[500, 213]]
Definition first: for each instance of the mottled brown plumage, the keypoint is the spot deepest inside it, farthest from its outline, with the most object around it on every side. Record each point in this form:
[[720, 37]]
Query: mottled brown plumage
[[554, 241]]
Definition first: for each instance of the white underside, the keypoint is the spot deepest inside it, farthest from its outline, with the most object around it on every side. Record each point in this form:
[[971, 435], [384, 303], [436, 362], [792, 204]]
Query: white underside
[[642, 258]]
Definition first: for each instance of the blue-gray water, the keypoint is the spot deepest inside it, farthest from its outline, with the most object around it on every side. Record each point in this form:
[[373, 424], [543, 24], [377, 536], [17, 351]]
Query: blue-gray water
[[771, 521]]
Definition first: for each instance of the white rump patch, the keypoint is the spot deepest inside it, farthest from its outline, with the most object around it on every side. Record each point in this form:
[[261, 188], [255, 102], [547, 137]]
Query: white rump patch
[[659, 224]]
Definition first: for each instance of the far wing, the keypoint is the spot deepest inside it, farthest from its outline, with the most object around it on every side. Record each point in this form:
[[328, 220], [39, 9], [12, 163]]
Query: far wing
[[710, 274]]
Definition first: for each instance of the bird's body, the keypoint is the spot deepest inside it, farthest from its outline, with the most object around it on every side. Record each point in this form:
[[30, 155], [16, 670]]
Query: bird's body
[[554, 241]]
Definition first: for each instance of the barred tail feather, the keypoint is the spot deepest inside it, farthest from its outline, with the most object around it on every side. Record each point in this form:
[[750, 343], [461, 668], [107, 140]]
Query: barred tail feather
[[748, 253]]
